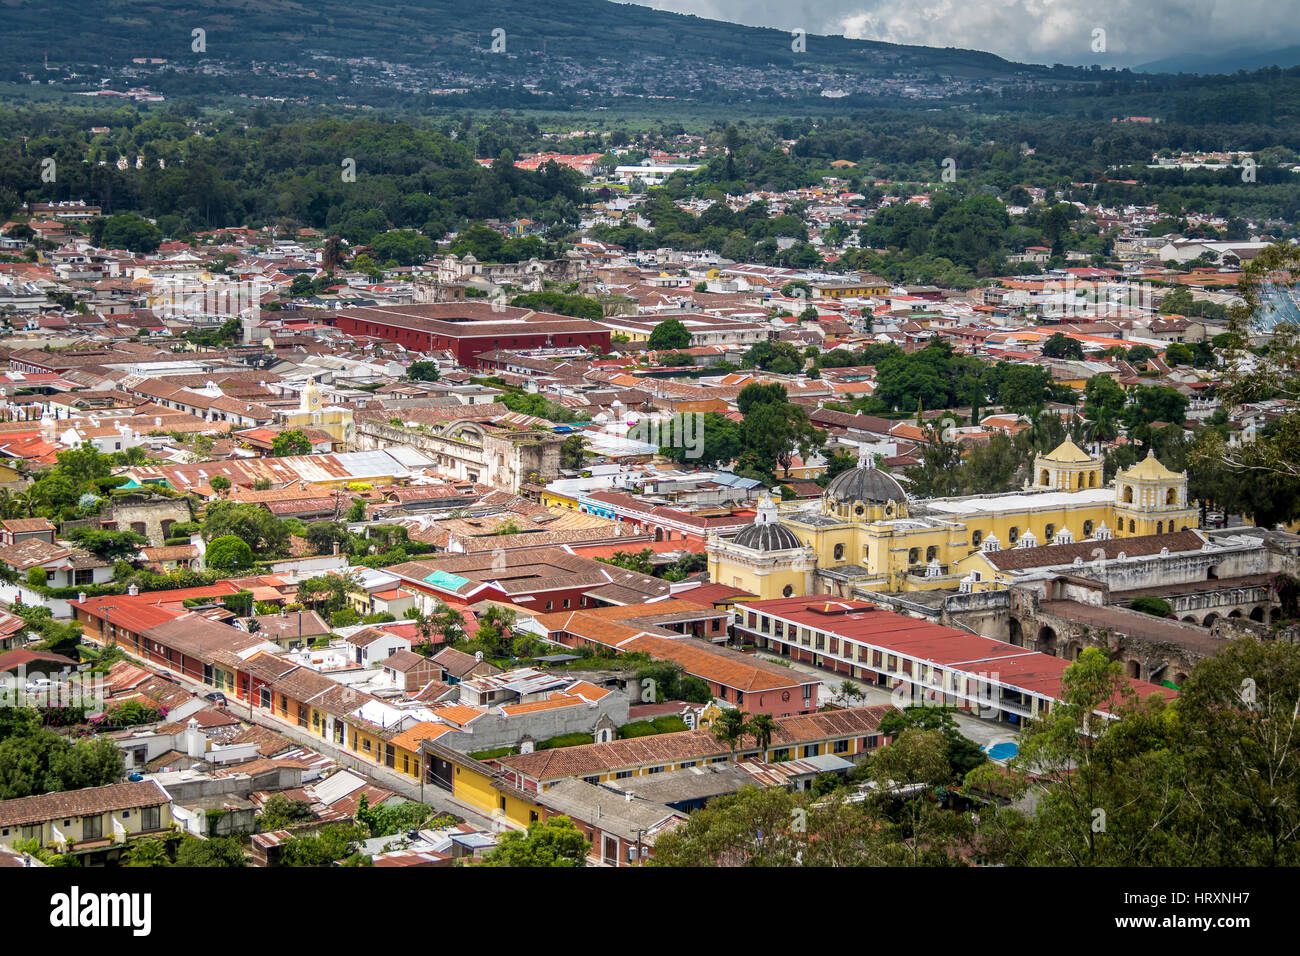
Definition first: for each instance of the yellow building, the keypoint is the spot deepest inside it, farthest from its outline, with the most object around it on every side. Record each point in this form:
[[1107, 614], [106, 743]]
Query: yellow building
[[335, 420], [866, 534], [1151, 499]]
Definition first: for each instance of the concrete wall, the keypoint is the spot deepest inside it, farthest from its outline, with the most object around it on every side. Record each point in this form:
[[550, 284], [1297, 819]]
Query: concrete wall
[[493, 730]]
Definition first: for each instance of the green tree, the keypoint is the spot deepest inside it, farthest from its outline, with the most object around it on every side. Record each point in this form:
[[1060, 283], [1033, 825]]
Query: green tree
[[213, 851], [762, 726], [423, 372], [263, 532], [279, 811], [1059, 345], [730, 728], [292, 442], [555, 842], [229, 553], [669, 334]]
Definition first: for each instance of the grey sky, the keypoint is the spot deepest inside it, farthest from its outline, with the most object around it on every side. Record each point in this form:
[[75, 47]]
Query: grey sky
[[1030, 31]]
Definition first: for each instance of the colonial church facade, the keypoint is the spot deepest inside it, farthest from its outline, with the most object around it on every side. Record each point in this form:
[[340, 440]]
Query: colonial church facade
[[865, 533]]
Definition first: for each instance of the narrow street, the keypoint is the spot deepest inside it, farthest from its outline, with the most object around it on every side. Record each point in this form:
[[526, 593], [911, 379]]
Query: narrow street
[[433, 796]]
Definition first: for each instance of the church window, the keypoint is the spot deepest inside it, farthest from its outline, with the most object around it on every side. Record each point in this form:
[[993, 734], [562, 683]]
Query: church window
[[839, 552], [1049, 531], [1128, 494], [1087, 528], [1013, 535], [1132, 526], [913, 556], [976, 538], [1171, 497], [1044, 478]]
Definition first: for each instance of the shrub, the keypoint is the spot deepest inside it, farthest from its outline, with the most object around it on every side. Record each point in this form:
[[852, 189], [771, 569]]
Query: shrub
[[229, 553], [344, 617], [37, 577], [565, 740], [1151, 605]]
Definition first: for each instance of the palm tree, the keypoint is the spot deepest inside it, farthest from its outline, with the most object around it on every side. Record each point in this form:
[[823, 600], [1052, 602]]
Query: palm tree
[[762, 727], [850, 690], [730, 726]]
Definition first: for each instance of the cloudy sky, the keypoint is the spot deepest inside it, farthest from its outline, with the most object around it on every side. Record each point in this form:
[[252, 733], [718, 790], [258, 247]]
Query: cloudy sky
[[1029, 31]]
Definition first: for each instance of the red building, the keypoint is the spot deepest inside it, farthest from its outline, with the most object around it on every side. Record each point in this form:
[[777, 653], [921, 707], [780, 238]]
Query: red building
[[468, 329]]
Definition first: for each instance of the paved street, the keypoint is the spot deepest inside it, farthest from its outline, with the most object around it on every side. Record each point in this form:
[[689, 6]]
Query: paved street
[[435, 797]]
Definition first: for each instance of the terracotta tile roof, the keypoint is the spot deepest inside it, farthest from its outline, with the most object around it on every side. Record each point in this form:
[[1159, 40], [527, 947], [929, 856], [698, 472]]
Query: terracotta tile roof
[[1013, 559], [76, 803]]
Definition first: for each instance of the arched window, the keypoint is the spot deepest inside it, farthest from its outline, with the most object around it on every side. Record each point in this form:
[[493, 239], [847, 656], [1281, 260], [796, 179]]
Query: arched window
[[889, 510], [860, 510], [1171, 497], [976, 538], [1043, 477], [1160, 527], [1128, 494], [1013, 535], [1132, 526], [1092, 479], [1087, 528], [1081, 481], [839, 552], [931, 553], [866, 552], [913, 556], [1048, 532]]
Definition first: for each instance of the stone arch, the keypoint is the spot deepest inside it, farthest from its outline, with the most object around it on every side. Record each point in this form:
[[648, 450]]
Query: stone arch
[[1047, 640], [1180, 678], [1133, 669], [1015, 633], [1209, 619], [1073, 650], [1235, 612], [1190, 619], [1257, 614]]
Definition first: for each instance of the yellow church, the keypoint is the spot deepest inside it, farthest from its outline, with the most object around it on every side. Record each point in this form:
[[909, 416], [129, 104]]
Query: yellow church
[[334, 420], [864, 532]]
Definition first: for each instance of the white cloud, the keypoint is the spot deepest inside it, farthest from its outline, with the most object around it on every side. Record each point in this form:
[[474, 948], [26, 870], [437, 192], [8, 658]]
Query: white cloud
[[1031, 31]]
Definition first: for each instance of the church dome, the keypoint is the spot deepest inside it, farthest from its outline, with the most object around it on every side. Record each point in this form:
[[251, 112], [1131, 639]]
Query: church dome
[[767, 533], [865, 483]]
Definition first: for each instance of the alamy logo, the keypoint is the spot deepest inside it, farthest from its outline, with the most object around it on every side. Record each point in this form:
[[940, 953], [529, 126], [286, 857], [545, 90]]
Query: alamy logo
[[75, 910]]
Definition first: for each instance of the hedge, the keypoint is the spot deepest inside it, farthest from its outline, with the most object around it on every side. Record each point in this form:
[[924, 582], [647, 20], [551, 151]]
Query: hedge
[[565, 740], [494, 753], [666, 724]]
